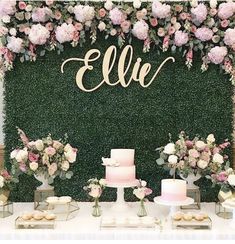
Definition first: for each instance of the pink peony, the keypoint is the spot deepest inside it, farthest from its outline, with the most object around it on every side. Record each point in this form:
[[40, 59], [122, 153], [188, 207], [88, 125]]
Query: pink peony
[[125, 25], [22, 5], [7, 7], [14, 44], [153, 22], [65, 33], [140, 30], [199, 13], [226, 10], [217, 54], [84, 13], [117, 16], [204, 34], [229, 37], [33, 157], [181, 38], [50, 151], [160, 10], [41, 14], [193, 153], [222, 176], [38, 34]]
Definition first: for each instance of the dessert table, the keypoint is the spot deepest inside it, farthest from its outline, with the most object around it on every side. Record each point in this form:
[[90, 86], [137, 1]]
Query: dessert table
[[85, 226]]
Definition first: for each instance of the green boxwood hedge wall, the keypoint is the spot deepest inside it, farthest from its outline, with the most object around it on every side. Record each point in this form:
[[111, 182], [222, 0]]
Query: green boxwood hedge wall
[[41, 100]]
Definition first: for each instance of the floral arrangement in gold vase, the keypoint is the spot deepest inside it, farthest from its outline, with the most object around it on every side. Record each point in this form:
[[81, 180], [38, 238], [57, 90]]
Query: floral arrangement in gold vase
[[44, 158]]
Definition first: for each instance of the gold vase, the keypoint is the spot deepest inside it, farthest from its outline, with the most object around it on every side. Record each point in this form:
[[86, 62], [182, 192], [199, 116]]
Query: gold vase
[[4, 195]]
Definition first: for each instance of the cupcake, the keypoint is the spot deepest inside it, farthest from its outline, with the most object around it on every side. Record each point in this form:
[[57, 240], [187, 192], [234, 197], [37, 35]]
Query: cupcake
[[188, 216]]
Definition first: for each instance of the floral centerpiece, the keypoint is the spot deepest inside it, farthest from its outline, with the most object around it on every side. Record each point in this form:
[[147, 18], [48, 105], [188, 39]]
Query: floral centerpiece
[[44, 158], [192, 158], [6, 183], [95, 189], [141, 192]]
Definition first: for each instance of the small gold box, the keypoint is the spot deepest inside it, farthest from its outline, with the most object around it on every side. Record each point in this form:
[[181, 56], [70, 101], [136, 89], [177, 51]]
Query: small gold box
[[6, 209], [223, 212], [39, 199], [196, 195]]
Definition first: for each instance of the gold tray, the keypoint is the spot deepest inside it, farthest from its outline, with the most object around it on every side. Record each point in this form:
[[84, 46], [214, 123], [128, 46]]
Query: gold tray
[[192, 224], [34, 224]]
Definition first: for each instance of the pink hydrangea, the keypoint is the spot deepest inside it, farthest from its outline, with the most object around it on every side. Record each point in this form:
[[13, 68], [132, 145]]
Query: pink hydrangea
[[229, 37], [38, 34], [140, 30], [84, 13], [14, 44], [226, 10], [41, 14], [199, 13], [181, 38], [7, 7], [116, 16], [217, 54], [65, 32], [160, 10], [204, 34]]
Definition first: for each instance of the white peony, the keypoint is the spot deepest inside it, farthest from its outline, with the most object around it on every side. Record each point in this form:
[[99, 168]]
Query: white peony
[[38, 34], [6, 19], [71, 155], [200, 145], [136, 3], [29, 8], [84, 13], [39, 145], [143, 183], [101, 26], [1, 181], [65, 165], [65, 33], [217, 158], [21, 156], [102, 182], [202, 164], [33, 166], [14, 44], [231, 180], [213, 3], [169, 148], [173, 159], [12, 31], [67, 147], [210, 138], [140, 30], [108, 4], [229, 171], [13, 154]]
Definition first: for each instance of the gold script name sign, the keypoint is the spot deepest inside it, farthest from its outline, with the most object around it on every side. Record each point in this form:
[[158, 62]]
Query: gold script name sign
[[139, 71]]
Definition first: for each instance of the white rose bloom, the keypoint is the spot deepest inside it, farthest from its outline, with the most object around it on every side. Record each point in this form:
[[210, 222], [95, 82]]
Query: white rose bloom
[[102, 182], [173, 159], [29, 8], [33, 166], [210, 138], [12, 31], [229, 171], [71, 155], [13, 154], [200, 145], [67, 147], [194, 3], [70, 9], [136, 3], [6, 19], [101, 26], [143, 183], [177, 26], [65, 165], [108, 5], [1, 181], [169, 148], [231, 180], [217, 158], [213, 3], [39, 145], [202, 164], [21, 156]]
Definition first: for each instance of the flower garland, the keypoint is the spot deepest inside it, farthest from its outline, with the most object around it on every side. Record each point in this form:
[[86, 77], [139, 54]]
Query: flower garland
[[190, 27]]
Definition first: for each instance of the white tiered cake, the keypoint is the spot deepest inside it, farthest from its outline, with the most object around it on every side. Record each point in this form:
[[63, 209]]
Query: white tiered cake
[[123, 172]]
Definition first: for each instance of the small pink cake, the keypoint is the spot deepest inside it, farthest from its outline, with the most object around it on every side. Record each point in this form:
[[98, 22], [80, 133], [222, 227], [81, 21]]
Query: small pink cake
[[173, 190], [124, 172]]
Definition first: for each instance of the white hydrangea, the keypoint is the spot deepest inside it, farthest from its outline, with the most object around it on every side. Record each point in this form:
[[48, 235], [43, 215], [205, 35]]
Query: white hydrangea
[[14, 44], [65, 33], [84, 13], [38, 34]]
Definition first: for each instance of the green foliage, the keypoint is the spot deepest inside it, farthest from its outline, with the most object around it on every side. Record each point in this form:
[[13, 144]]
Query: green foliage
[[41, 100]]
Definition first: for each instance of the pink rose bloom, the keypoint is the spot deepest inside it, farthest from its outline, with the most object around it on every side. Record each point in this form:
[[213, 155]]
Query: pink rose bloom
[[65, 33], [40, 14], [140, 30], [181, 38], [226, 10], [160, 10], [26, 30], [222, 176], [96, 191], [189, 144], [199, 13], [213, 12], [224, 23], [229, 37], [78, 26], [204, 34], [22, 5], [52, 169], [3, 31], [69, 20], [22, 167], [217, 54], [161, 32], [140, 15], [49, 2], [38, 34], [14, 44], [58, 15], [153, 22], [171, 30], [33, 157], [49, 26], [50, 151], [216, 150], [165, 46], [183, 16], [84, 13], [193, 153], [147, 191], [193, 28], [192, 162], [117, 16], [125, 25], [224, 145], [57, 144], [102, 12], [139, 193], [205, 156], [7, 7]]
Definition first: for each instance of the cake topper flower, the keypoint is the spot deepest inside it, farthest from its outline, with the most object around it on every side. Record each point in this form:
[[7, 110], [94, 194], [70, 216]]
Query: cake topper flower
[[110, 162]]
